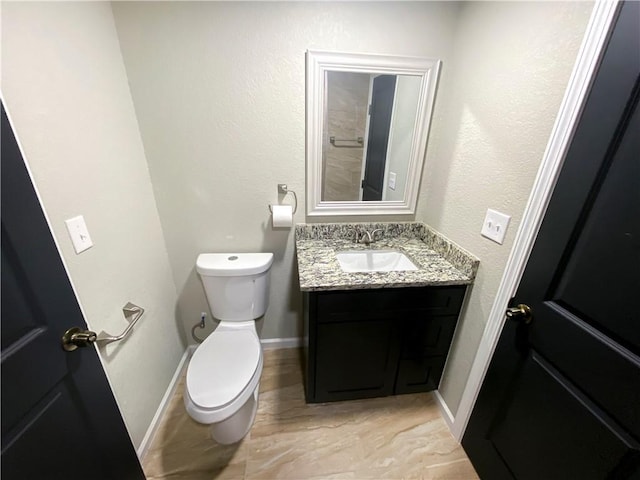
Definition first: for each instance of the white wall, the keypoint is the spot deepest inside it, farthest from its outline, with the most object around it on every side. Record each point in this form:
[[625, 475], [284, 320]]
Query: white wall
[[218, 88], [403, 120], [513, 62], [65, 88]]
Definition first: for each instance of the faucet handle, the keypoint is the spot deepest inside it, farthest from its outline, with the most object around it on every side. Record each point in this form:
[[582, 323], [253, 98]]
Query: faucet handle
[[355, 235], [373, 234]]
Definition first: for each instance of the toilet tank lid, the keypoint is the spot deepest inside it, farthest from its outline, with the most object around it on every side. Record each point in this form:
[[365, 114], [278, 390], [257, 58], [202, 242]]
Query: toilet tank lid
[[233, 264]]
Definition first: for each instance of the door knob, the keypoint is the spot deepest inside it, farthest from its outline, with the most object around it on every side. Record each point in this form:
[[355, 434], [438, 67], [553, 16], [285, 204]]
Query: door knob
[[521, 313], [77, 337]]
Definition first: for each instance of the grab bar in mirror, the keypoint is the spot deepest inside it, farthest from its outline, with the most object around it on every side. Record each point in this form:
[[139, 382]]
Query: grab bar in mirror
[[359, 140]]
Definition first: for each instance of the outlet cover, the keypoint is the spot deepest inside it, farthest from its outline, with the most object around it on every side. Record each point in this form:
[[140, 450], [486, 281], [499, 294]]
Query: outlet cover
[[79, 234], [495, 226]]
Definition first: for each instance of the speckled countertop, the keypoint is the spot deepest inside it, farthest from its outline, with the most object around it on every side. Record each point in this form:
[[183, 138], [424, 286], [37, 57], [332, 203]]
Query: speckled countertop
[[440, 261]]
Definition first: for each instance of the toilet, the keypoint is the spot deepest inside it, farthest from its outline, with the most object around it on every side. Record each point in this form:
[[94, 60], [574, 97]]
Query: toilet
[[224, 373]]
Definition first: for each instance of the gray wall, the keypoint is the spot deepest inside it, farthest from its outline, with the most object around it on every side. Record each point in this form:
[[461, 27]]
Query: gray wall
[[512, 65], [219, 91], [65, 88]]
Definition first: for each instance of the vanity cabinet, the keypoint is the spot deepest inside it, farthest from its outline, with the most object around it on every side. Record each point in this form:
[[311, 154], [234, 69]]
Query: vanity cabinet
[[378, 342]]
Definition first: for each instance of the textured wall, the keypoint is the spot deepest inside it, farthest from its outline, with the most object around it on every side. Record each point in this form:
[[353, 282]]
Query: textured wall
[[513, 62], [219, 91], [65, 88], [405, 108]]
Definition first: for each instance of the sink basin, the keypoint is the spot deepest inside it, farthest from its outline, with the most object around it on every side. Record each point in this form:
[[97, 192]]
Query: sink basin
[[374, 261]]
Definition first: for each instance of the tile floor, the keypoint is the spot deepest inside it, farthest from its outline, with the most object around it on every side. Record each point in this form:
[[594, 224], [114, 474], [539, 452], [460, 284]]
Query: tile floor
[[381, 438]]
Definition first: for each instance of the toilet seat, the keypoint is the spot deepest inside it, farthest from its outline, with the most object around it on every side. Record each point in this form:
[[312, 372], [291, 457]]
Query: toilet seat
[[222, 367]]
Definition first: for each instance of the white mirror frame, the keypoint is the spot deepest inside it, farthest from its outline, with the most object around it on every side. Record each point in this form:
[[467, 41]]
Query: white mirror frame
[[318, 63]]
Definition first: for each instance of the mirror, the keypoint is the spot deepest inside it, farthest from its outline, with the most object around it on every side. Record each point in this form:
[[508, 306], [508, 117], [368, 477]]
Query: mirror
[[367, 127]]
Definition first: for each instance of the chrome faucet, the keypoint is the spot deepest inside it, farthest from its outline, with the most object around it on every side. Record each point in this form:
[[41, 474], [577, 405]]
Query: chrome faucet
[[367, 237]]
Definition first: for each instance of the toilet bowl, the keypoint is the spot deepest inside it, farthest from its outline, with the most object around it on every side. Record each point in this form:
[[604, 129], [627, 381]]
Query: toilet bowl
[[223, 375]]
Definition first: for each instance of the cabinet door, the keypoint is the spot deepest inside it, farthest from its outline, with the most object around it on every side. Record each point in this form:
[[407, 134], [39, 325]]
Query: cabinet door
[[425, 343], [427, 335], [419, 374], [356, 359]]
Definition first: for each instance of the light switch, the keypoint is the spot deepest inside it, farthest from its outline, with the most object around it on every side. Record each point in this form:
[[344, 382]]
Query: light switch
[[495, 226], [79, 233], [392, 180]]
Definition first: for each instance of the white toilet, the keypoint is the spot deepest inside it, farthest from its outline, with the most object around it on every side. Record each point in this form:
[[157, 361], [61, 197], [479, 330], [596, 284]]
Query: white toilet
[[224, 372]]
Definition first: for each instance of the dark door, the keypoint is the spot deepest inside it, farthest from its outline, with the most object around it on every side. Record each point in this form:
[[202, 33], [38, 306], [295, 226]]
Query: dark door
[[384, 89], [561, 398], [59, 416]]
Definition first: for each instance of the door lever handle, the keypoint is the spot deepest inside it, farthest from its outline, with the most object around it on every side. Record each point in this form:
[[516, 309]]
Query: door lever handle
[[77, 337], [521, 313]]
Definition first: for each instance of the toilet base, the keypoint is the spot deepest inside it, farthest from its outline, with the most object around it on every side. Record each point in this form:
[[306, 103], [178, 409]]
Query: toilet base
[[236, 427]]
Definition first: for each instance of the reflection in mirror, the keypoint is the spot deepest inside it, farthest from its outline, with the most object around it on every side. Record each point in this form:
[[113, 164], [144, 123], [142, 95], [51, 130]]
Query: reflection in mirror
[[367, 126], [369, 122]]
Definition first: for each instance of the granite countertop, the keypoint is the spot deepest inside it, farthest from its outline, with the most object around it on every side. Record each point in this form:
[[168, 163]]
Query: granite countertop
[[439, 261]]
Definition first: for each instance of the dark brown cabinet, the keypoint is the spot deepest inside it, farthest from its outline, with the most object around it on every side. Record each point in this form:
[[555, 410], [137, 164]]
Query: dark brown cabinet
[[374, 343]]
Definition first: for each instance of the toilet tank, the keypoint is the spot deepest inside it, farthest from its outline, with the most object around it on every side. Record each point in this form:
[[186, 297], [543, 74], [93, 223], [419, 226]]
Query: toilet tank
[[236, 284]]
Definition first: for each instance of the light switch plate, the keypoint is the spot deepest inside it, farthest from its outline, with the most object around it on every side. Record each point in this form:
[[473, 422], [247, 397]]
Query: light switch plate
[[392, 180], [495, 226], [79, 233]]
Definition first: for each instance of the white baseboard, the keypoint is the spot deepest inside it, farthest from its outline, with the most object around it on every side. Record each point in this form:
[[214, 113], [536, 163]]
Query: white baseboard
[[168, 395], [444, 409], [273, 343]]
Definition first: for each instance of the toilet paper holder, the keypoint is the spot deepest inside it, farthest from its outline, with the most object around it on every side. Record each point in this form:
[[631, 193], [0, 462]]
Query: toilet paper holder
[[282, 188]]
